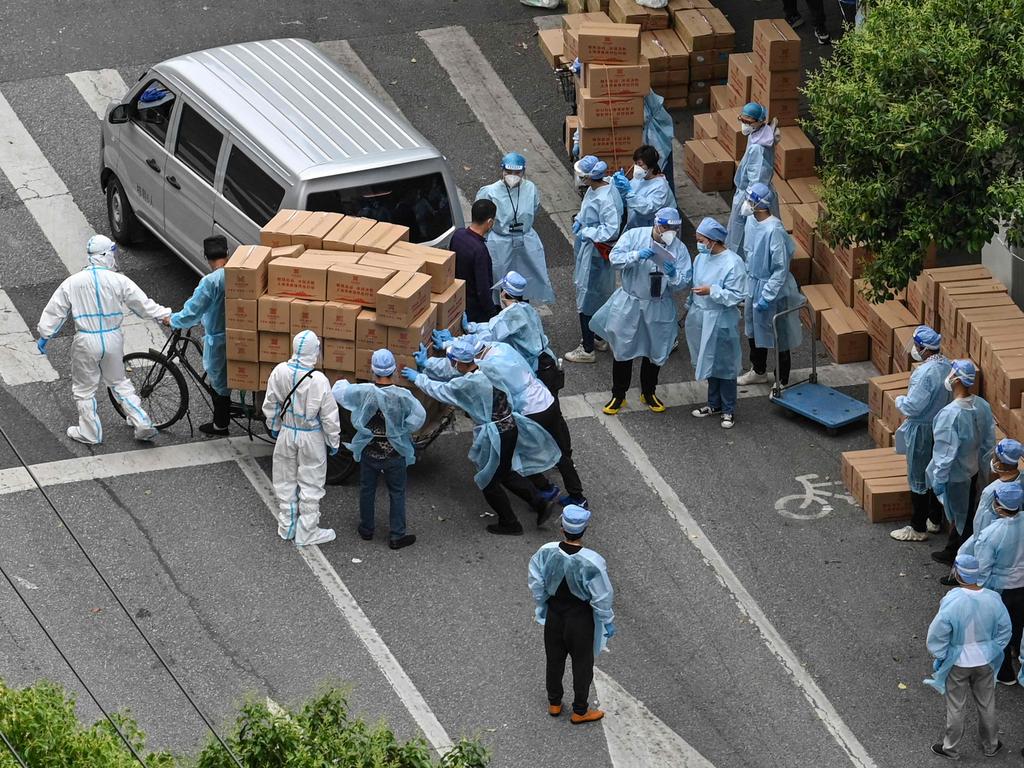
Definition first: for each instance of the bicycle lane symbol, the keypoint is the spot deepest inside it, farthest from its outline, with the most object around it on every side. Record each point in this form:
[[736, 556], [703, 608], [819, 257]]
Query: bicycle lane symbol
[[815, 501]]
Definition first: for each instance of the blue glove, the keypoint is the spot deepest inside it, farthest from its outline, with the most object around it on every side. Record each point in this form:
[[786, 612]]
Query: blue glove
[[274, 433], [332, 451], [646, 253], [465, 322], [939, 489], [410, 374], [937, 663], [609, 630], [576, 227], [420, 357], [761, 305], [41, 345], [540, 613], [440, 337], [670, 269], [575, 151], [621, 182]]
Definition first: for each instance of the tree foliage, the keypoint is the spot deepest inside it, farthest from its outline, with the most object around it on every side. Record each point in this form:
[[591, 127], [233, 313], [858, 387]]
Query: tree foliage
[[920, 119]]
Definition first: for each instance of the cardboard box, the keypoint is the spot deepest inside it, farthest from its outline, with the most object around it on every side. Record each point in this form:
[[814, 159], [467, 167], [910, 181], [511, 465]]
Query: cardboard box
[[617, 79], [853, 258], [805, 224], [630, 12], [340, 320], [785, 193], [705, 126], [794, 154], [1007, 378], [879, 433], [885, 318], [885, 464], [307, 315], [729, 133], [999, 345], [265, 370], [300, 278], [311, 231], [819, 298], [437, 262], [609, 43], [243, 375], [949, 292], [339, 354], [915, 299], [403, 299], [363, 370], [347, 233], [370, 333], [965, 317], [608, 111], [571, 24], [242, 345], [273, 313], [278, 231], [407, 340], [932, 279], [721, 98], [552, 45], [687, 5], [972, 301], [393, 262], [879, 385], [245, 274], [240, 314], [808, 188], [708, 164], [451, 303], [786, 217], [382, 237], [991, 331], [881, 358], [800, 267], [768, 85], [664, 51], [275, 347], [843, 283], [844, 335], [785, 111], [287, 251], [887, 499], [572, 124], [356, 283], [682, 103], [704, 29], [607, 142], [776, 45]]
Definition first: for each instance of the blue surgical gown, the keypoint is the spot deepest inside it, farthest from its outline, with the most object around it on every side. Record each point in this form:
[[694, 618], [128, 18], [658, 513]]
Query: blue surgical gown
[[963, 619], [600, 217], [659, 130], [645, 198], [964, 435], [586, 575], [984, 516], [518, 325], [520, 249], [925, 397], [473, 392], [756, 165], [206, 306], [713, 321], [403, 415], [768, 250], [633, 322], [1000, 552], [508, 371]]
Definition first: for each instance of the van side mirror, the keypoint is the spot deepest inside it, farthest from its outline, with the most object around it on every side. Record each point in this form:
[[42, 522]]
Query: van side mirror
[[119, 114]]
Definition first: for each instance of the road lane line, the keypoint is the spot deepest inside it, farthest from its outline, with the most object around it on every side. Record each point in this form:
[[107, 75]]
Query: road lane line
[[506, 122], [385, 660]]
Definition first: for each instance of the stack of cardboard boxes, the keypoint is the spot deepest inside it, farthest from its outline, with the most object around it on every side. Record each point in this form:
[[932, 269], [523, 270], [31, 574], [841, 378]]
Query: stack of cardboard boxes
[[357, 283]]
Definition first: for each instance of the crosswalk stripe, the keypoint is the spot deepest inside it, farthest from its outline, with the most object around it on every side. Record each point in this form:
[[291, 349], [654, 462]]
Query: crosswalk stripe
[[506, 122], [20, 361]]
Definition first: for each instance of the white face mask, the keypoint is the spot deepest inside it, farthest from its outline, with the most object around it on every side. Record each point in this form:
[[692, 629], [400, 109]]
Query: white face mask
[[668, 237], [746, 209], [948, 384], [996, 467], [747, 128], [916, 354], [512, 180], [637, 173]]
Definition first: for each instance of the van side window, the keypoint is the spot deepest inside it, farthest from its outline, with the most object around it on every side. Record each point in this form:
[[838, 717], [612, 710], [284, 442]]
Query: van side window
[[250, 189], [198, 144], [152, 111]]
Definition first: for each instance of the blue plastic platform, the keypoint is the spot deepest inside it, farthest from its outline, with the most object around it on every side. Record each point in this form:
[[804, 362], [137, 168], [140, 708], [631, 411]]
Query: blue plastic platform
[[822, 404]]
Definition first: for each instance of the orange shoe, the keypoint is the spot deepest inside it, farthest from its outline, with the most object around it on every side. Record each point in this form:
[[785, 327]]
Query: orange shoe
[[592, 716], [554, 709]]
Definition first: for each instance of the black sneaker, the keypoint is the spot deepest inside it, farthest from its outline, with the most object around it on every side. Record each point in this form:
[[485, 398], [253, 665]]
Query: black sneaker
[[796, 21], [823, 37], [996, 751], [364, 534], [404, 541], [213, 430], [949, 581], [943, 556], [500, 530], [938, 750]]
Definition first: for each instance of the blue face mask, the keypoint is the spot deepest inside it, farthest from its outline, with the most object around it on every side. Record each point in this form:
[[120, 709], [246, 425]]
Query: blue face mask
[[703, 248]]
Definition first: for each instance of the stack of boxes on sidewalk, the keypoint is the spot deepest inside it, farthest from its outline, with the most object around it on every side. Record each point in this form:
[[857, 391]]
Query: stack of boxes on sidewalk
[[357, 283]]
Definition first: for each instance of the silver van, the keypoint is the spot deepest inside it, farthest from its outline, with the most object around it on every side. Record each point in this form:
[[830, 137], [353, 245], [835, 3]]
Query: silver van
[[216, 142]]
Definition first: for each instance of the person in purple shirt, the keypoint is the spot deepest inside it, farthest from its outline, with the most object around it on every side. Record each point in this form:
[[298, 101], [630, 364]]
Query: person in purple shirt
[[473, 262]]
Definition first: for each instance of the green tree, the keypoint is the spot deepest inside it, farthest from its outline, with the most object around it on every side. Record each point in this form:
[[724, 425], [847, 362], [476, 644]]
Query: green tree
[[920, 119]]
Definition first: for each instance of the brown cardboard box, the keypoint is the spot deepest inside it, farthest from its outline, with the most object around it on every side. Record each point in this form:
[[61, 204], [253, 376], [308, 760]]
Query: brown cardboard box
[[630, 12], [243, 375], [705, 126], [861, 304], [265, 370], [785, 193], [437, 262], [608, 142], [786, 216], [729, 133], [951, 291], [915, 299], [347, 233], [451, 303], [891, 415], [306, 315], [572, 124], [273, 313], [875, 471], [406, 341], [310, 231], [695, 29], [854, 258], [884, 318], [800, 266], [575, 6], [881, 358], [776, 45], [1007, 378], [794, 154], [852, 462], [887, 499], [364, 372], [552, 46], [785, 111], [339, 355], [818, 299], [844, 335], [768, 85], [609, 43], [805, 224], [808, 189], [571, 23], [962, 301], [240, 314], [880, 433], [381, 237], [708, 164], [340, 320], [393, 262], [682, 103], [879, 385], [721, 98], [994, 334], [741, 75], [608, 111], [300, 278], [242, 345], [617, 79], [403, 299], [356, 283], [287, 251], [275, 347], [369, 333], [823, 253], [245, 274], [278, 231], [965, 317], [933, 278], [843, 283], [664, 50], [902, 338]]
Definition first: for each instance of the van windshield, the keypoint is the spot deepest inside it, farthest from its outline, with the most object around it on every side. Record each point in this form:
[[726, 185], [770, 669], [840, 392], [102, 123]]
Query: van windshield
[[420, 203]]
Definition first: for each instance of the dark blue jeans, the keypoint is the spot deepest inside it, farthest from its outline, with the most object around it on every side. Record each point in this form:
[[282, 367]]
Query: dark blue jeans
[[370, 470], [722, 394]]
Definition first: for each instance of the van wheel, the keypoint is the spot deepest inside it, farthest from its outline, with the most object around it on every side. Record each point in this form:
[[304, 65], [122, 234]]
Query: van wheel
[[125, 228]]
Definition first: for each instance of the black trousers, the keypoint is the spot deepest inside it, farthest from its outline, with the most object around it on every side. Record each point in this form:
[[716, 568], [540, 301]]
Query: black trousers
[[622, 376], [759, 361], [554, 424], [221, 411], [1013, 599], [955, 538], [924, 507], [570, 633], [816, 7], [506, 477]]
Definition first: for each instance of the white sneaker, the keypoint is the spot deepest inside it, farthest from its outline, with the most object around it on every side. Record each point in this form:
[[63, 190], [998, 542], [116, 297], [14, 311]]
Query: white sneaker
[[728, 421], [321, 536], [75, 434], [146, 434], [932, 527], [907, 533], [601, 345], [580, 355], [752, 377]]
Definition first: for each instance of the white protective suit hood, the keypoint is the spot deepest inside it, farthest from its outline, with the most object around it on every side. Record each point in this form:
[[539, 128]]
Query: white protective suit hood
[[305, 349]]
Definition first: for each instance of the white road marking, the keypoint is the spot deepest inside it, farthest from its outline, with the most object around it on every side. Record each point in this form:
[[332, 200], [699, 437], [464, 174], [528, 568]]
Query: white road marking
[[793, 506], [432, 729], [506, 122], [746, 603], [20, 361], [636, 737], [343, 54]]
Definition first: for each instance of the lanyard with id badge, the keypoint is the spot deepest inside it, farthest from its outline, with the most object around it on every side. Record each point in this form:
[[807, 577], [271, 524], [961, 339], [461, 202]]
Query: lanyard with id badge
[[515, 229], [661, 256]]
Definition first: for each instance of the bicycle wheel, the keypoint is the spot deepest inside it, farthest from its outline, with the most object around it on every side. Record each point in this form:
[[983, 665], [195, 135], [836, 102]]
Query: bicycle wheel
[[160, 386]]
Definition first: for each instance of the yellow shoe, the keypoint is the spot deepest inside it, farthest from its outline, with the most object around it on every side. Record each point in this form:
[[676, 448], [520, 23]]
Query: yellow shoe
[[613, 406], [554, 709], [652, 402], [592, 715]]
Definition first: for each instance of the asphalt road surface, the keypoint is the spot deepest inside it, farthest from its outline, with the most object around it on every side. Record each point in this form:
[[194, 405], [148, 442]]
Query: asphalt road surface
[[747, 636]]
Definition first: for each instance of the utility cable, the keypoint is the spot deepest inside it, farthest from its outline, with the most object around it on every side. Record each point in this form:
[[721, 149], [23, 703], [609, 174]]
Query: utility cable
[[117, 598], [13, 750]]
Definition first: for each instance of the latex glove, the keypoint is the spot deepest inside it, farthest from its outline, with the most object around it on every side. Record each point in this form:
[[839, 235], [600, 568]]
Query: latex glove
[[575, 151], [609, 630], [646, 253], [540, 613], [670, 269], [41, 345], [410, 374], [274, 433], [420, 357], [440, 337], [621, 182], [937, 663], [332, 451], [939, 489], [576, 227], [761, 305], [465, 322]]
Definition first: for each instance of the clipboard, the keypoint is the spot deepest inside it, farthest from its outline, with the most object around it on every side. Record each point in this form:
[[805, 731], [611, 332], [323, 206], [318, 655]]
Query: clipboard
[[662, 255]]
